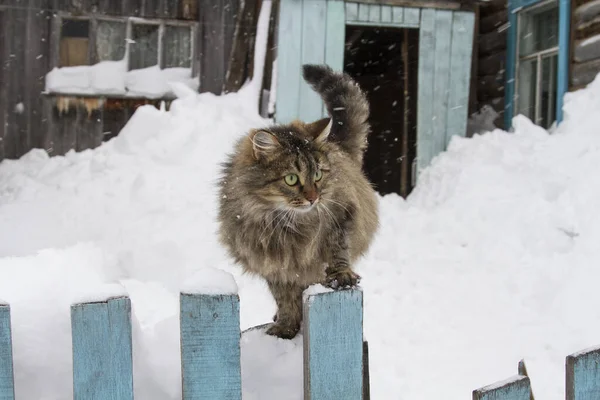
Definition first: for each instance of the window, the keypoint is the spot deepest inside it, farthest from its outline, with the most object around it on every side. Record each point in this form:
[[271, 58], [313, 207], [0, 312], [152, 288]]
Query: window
[[537, 62], [141, 43]]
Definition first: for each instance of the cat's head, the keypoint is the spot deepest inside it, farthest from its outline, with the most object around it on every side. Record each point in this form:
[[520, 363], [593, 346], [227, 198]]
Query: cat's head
[[287, 165]]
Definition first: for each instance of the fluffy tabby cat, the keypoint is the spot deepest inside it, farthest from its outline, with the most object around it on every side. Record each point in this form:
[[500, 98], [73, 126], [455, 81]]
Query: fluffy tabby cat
[[295, 206]]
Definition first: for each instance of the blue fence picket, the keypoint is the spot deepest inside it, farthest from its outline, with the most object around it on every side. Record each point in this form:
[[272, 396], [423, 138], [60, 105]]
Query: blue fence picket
[[102, 358], [7, 391], [333, 345], [210, 347], [515, 388], [583, 375]]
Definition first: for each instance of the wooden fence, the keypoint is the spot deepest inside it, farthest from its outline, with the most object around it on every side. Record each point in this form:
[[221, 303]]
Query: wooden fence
[[335, 356], [334, 350]]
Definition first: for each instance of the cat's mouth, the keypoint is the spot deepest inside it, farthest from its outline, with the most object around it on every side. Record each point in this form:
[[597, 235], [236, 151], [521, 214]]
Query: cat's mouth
[[304, 206]]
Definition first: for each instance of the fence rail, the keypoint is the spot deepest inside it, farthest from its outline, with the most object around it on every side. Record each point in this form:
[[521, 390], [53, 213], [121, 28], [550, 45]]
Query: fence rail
[[335, 355], [210, 348]]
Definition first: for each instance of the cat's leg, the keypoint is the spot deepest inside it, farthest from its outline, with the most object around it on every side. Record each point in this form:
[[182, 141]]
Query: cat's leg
[[288, 297], [338, 273]]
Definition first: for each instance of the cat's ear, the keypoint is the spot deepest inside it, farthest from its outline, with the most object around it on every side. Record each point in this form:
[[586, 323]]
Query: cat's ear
[[320, 129], [263, 144]]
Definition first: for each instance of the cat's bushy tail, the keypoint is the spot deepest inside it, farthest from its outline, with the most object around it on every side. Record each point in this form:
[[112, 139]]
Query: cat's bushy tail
[[347, 105]]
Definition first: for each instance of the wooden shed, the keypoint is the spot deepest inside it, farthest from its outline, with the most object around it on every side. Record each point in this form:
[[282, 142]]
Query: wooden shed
[[41, 107], [553, 46], [413, 58]]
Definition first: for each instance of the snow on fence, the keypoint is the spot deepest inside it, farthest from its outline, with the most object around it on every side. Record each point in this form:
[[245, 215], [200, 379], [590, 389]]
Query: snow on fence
[[210, 347], [335, 356]]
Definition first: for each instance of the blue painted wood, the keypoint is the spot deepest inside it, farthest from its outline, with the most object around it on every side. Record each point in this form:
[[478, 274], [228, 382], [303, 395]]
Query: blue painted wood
[[516, 388], [441, 79], [333, 343], [7, 390], [583, 375], [374, 13], [412, 16], [335, 38], [398, 15], [511, 60], [564, 30], [425, 89], [463, 25], [351, 12], [210, 347], [289, 59], [386, 14], [314, 23], [363, 12], [102, 355], [518, 4]]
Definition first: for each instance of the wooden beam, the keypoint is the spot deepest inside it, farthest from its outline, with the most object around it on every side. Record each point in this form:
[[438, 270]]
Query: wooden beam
[[583, 375], [210, 347], [102, 353], [333, 345], [7, 390], [516, 388], [447, 5]]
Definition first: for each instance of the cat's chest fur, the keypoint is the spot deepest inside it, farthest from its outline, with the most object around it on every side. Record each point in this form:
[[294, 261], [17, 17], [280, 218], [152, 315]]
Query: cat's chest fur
[[292, 250]]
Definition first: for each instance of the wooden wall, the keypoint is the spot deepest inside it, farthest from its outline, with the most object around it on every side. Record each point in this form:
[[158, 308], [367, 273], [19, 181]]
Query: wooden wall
[[29, 119], [491, 59], [585, 42]]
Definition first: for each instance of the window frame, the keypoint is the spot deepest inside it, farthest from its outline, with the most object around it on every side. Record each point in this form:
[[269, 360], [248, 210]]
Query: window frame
[[515, 7], [129, 21], [538, 56]]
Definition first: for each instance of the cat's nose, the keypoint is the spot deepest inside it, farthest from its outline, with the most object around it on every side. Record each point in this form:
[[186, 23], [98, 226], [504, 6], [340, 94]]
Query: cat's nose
[[311, 195]]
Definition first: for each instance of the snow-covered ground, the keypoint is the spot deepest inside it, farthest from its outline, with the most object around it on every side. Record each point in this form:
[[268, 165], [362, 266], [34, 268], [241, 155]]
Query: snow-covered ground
[[493, 258]]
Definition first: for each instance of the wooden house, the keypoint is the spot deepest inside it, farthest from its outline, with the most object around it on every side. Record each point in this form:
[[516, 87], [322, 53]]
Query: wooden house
[[535, 52], [413, 58], [72, 72]]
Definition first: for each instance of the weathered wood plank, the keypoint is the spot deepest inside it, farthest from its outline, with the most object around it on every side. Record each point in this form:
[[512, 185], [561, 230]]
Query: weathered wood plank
[[425, 89], [366, 375], [584, 73], [335, 35], [335, 38], [386, 14], [588, 49], [587, 12], [412, 16], [333, 345], [102, 357], [289, 60], [7, 391], [583, 375], [516, 388], [441, 83], [3, 86], [460, 73], [492, 42], [398, 15], [493, 21], [212, 57], [210, 347], [351, 12], [493, 64], [375, 13], [314, 20], [363, 12]]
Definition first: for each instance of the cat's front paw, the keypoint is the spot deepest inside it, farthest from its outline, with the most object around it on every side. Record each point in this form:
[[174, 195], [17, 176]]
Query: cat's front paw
[[283, 331], [341, 278]]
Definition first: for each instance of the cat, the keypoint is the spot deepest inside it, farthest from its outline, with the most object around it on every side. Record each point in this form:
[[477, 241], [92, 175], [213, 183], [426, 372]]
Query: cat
[[295, 207]]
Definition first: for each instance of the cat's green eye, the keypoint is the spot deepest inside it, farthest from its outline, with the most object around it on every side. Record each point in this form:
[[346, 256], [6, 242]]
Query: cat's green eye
[[318, 175], [291, 179]]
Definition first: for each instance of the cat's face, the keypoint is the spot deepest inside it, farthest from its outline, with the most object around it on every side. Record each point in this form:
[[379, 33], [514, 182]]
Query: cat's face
[[291, 167]]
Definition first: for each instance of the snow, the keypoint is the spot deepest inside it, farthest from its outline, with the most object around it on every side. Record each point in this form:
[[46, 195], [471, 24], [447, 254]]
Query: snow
[[491, 260], [113, 78], [210, 281], [314, 290], [590, 40]]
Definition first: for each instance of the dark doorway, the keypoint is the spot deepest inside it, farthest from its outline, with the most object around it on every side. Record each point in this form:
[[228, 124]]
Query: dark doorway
[[384, 62]]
